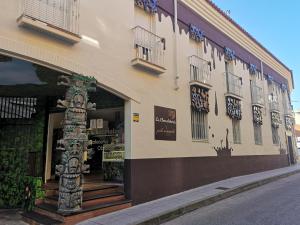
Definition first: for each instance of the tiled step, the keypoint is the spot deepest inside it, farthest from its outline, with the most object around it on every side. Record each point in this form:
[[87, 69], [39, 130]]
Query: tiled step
[[92, 200], [34, 218], [89, 192], [96, 211], [107, 189], [49, 210]]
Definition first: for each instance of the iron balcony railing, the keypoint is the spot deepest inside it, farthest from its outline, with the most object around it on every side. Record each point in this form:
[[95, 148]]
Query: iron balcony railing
[[234, 84], [62, 14], [199, 70], [149, 47], [257, 95]]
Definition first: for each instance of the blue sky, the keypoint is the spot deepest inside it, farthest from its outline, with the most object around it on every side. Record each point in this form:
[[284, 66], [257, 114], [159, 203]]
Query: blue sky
[[276, 25]]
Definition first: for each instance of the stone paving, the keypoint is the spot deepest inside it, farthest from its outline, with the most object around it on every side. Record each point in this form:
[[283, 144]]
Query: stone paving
[[11, 217], [276, 203], [173, 204]]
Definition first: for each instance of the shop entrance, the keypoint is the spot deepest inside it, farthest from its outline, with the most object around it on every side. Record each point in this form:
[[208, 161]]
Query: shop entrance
[[105, 128], [31, 124]]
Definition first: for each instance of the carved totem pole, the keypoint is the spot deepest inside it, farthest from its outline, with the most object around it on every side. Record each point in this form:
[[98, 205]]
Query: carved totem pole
[[74, 144]]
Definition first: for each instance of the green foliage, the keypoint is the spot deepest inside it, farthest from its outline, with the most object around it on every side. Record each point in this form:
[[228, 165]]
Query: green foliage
[[32, 191], [17, 141], [113, 171], [12, 173]]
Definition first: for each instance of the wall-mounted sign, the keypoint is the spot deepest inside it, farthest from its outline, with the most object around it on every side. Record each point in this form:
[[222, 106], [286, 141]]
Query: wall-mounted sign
[[164, 123], [136, 117], [114, 156]]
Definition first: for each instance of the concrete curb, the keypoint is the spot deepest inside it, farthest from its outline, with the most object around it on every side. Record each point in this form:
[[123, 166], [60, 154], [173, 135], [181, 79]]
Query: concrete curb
[[174, 213]]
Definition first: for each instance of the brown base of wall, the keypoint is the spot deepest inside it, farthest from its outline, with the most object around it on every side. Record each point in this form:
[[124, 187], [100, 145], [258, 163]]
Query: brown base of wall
[[149, 179]]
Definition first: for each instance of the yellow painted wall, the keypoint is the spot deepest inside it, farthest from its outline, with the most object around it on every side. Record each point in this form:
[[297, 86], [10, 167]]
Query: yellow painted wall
[[106, 51]]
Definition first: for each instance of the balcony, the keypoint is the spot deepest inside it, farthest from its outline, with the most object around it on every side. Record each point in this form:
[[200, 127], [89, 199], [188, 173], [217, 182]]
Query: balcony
[[200, 71], [149, 51], [234, 85], [257, 95], [58, 18]]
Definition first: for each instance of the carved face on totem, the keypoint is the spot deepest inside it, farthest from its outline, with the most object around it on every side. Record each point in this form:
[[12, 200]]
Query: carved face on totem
[[78, 101], [73, 165], [71, 183]]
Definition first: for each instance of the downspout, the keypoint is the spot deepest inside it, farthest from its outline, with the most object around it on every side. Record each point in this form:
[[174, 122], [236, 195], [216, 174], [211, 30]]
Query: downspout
[[264, 92], [176, 46]]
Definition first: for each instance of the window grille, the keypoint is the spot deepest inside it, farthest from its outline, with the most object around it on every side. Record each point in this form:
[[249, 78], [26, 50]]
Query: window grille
[[236, 131], [17, 107], [257, 134], [275, 135], [199, 125]]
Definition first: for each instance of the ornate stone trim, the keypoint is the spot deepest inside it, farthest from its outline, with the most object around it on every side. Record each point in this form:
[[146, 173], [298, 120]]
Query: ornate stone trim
[[196, 33], [275, 119], [200, 98], [289, 123], [257, 115], [148, 5], [283, 87], [233, 106], [270, 78], [252, 69], [75, 141], [229, 54]]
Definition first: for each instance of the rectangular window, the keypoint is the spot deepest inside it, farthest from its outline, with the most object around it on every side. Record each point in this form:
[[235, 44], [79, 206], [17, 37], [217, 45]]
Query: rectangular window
[[199, 125], [275, 135], [257, 134], [236, 131]]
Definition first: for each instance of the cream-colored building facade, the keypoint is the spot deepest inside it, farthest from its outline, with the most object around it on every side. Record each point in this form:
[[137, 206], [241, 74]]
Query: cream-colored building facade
[[148, 57]]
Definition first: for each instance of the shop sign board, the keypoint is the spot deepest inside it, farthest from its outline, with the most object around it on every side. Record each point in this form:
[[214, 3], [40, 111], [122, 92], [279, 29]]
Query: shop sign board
[[164, 123], [113, 156]]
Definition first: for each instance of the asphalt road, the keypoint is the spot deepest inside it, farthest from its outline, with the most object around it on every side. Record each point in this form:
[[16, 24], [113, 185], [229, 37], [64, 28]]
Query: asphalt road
[[276, 203]]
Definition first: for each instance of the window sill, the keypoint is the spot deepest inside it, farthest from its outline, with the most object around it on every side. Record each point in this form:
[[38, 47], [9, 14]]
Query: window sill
[[201, 141]]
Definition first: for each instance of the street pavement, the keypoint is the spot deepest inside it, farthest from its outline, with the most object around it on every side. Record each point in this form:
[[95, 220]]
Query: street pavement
[[276, 203], [11, 217]]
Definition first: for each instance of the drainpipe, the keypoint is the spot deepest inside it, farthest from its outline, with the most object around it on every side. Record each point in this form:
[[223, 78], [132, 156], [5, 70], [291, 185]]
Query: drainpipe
[[264, 92], [176, 46]]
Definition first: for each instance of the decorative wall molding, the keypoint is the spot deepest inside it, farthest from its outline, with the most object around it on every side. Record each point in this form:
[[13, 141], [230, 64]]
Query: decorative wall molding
[[270, 78], [210, 14], [196, 33], [252, 69], [200, 98], [275, 119], [233, 106], [224, 150], [148, 5], [257, 115], [283, 87], [289, 123], [216, 105], [229, 54]]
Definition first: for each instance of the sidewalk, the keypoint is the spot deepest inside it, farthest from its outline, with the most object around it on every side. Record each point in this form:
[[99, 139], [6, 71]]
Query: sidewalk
[[167, 208]]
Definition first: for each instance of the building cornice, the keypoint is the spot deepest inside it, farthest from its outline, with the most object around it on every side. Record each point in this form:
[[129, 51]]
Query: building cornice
[[214, 15]]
